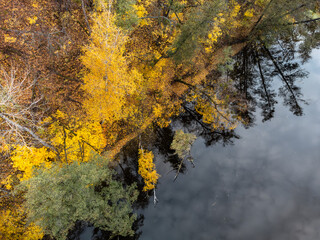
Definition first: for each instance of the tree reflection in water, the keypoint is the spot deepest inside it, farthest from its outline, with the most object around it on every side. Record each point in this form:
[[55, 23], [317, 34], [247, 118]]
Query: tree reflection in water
[[262, 74], [256, 72]]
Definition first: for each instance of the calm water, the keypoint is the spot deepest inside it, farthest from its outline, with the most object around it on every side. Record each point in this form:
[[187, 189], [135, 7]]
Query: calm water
[[265, 186]]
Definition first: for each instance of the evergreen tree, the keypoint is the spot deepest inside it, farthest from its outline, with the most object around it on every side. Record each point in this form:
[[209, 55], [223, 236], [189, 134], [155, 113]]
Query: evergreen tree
[[58, 197]]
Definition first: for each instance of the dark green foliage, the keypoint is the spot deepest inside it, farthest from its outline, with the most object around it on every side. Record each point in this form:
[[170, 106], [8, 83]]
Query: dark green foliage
[[196, 27], [126, 17], [288, 20], [58, 197], [176, 6], [227, 63]]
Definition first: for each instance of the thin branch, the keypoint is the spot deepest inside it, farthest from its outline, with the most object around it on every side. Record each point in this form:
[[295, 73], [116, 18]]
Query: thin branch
[[157, 17], [64, 76], [196, 118], [263, 82], [293, 10], [178, 18], [260, 18], [83, 27], [178, 171], [24, 129], [65, 144], [304, 21], [205, 94], [85, 16], [155, 199], [281, 74], [4, 190], [97, 150]]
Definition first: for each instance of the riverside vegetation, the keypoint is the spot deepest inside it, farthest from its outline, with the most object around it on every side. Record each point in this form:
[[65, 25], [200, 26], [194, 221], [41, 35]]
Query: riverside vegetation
[[80, 79]]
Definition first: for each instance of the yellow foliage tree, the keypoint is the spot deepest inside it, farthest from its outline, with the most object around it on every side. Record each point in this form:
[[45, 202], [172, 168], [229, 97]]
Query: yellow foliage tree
[[75, 139], [147, 169], [13, 226], [108, 81], [120, 91], [26, 158], [226, 22]]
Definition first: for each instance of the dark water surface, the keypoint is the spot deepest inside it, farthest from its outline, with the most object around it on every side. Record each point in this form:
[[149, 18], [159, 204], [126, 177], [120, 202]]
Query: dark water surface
[[265, 186]]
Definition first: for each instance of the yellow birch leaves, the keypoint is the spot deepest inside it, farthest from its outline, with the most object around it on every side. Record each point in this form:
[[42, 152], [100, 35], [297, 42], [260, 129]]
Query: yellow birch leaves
[[225, 22], [108, 80], [25, 158], [147, 169], [13, 226], [74, 138]]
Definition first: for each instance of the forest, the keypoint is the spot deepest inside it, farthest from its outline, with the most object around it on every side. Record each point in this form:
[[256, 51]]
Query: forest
[[82, 79]]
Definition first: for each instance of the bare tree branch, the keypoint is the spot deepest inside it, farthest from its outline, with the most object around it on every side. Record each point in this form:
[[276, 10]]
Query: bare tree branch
[[85, 16], [24, 129]]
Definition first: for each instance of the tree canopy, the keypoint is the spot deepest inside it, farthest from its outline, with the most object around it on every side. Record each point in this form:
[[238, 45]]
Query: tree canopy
[[81, 79]]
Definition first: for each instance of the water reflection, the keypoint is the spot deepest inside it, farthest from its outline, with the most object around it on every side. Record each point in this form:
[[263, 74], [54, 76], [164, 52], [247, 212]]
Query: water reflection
[[265, 186], [258, 67]]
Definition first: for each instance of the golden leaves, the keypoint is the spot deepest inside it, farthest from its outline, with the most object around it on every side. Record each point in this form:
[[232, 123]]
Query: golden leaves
[[74, 138], [13, 226], [249, 13], [108, 81], [147, 169], [32, 20], [25, 158], [9, 39], [224, 23], [140, 10], [214, 110]]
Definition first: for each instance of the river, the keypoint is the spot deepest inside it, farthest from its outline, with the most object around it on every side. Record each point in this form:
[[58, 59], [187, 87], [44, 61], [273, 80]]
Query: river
[[266, 185]]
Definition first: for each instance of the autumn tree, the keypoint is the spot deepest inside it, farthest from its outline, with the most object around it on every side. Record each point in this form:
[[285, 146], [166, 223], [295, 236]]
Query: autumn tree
[[13, 225], [58, 197], [108, 80], [147, 169], [99, 73], [181, 144]]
